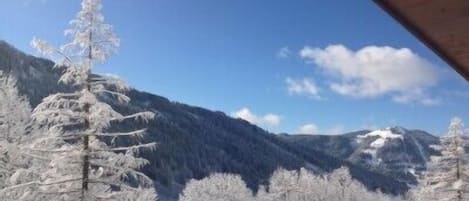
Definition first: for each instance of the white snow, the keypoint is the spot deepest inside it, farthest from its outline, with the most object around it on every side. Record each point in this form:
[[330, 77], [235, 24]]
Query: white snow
[[378, 143], [458, 184], [384, 136], [372, 152], [412, 171]]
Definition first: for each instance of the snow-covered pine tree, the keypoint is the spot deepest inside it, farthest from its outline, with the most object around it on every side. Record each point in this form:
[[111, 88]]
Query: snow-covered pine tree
[[447, 178], [303, 185], [217, 187], [283, 186], [300, 185], [85, 164], [16, 166], [15, 110], [343, 187], [15, 113]]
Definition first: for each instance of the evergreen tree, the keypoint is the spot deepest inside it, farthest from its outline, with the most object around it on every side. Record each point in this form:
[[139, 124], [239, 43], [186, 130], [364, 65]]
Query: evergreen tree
[[16, 131], [15, 114], [83, 162], [447, 178], [217, 187], [305, 186]]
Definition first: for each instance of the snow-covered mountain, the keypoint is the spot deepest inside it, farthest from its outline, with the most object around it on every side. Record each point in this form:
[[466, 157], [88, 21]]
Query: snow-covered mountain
[[195, 142], [393, 151]]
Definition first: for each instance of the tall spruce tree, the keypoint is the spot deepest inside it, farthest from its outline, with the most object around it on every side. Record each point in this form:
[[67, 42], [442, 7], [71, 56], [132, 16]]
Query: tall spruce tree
[[82, 161], [15, 113], [447, 178]]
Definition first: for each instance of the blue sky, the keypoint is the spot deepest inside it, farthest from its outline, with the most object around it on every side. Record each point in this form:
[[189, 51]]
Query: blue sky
[[288, 66]]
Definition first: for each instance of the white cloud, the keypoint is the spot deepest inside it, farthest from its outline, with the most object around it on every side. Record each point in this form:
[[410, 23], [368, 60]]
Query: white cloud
[[269, 120], [375, 71], [303, 86], [284, 52], [309, 129], [313, 129]]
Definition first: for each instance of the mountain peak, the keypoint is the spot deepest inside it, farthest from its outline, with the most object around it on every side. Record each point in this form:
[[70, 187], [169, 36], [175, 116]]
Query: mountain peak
[[398, 129]]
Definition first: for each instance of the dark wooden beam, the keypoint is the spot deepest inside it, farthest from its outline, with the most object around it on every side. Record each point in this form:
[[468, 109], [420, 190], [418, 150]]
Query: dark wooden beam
[[442, 25]]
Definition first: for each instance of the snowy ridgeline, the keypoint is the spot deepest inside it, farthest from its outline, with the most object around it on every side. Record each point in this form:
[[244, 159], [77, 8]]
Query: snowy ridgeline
[[400, 154], [447, 178]]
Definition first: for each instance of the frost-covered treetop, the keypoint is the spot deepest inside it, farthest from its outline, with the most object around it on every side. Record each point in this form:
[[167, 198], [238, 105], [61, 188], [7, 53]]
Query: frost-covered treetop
[[89, 30], [92, 41], [456, 127]]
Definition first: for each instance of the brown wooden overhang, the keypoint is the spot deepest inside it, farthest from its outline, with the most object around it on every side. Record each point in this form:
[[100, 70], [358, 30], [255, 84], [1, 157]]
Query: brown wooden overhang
[[442, 25]]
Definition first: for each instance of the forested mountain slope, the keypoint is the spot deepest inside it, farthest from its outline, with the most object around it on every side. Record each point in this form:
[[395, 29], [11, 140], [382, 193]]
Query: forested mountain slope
[[194, 142], [397, 152]]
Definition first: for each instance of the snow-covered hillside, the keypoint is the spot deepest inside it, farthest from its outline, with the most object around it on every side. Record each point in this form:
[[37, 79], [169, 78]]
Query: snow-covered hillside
[[380, 137], [395, 151]]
